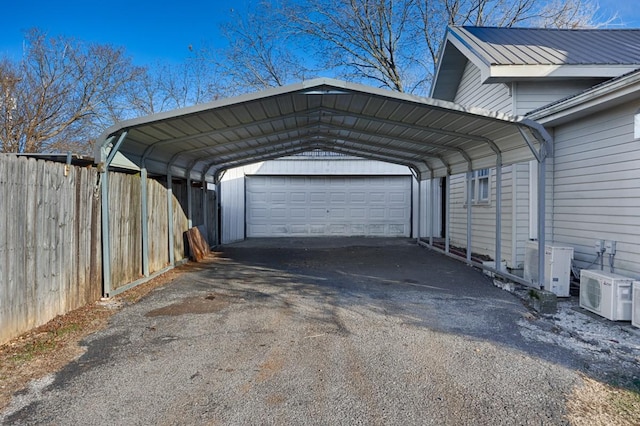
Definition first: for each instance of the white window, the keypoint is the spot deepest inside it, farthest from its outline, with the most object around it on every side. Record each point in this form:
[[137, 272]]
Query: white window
[[480, 186], [636, 125]]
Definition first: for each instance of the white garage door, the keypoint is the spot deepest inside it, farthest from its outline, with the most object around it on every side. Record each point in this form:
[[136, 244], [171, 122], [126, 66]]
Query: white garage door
[[287, 206]]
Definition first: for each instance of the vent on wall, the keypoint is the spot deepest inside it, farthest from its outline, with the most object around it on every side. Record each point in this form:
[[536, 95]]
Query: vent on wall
[[606, 294], [635, 305]]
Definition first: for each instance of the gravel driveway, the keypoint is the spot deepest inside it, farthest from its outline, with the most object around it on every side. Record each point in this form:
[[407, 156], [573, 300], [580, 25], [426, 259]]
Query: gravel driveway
[[353, 331]]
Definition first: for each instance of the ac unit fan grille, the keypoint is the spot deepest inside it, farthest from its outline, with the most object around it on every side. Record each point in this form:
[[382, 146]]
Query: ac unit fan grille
[[591, 294]]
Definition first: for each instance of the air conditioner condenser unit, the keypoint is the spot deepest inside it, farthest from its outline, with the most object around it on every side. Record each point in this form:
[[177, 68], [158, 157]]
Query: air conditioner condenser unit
[[557, 267], [606, 294]]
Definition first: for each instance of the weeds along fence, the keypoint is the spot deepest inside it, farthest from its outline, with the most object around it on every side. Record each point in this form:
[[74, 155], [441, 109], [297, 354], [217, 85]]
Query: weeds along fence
[[51, 236]]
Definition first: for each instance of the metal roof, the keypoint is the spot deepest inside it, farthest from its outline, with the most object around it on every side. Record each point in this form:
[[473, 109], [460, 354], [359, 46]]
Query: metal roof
[[538, 46], [512, 54], [432, 137]]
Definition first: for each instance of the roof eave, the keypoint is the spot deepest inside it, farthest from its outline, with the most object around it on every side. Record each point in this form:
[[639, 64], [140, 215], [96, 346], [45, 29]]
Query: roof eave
[[507, 73], [598, 98]]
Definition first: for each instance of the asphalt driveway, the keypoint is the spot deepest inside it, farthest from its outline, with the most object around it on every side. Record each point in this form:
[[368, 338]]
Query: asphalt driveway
[[327, 331]]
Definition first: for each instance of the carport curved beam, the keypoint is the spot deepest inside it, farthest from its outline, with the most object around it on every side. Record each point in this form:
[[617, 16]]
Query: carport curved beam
[[420, 142], [469, 136], [298, 114], [322, 132], [348, 151], [422, 155], [311, 144], [306, 146], [395, 158], [379, 157], [234, 142]]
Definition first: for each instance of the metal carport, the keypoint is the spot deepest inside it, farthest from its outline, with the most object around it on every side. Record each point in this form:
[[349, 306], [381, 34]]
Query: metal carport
[[433, 138]]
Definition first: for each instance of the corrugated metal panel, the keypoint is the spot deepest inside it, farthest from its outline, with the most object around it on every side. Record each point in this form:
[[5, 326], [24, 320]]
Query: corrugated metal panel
[[232, 206], [433, 137], [536, 46]]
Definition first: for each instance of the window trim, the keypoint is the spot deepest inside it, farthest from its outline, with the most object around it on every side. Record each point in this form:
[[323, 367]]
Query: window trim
[[476, 178]]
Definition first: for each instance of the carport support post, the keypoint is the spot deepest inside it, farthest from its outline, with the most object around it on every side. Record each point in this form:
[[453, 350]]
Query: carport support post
[[204, 207], [542, 169], [189, 201], [499, 213], [106, 241], [419, 207], [145, 221], [447, 212], [172, 259], [469, 209], [104, 189], [432, 209], [217, 212]]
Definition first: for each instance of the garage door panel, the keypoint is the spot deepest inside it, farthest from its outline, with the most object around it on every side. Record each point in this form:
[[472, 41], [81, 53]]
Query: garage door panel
[[299, 229], [278, 213], [344, 205], [358, 197], [318, 197], [257, 197], [298, 197], [397, 197], [377, 213], [377, 197], [318, 213], [396, 214], [278, 197], [317, 229], [298, 213], [338, 197], [357, 213], [337, 213]]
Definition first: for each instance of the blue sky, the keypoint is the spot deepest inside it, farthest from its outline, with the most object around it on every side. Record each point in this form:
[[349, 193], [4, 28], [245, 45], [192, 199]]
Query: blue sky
[[150, 31], [154, 31]]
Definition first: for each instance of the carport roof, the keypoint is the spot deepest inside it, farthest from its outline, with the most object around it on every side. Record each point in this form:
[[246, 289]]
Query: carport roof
[[432, 137]]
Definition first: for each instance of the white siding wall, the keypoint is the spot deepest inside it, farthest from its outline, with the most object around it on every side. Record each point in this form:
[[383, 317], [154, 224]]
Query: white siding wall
[[520, 223], [483, 217], [535, 94], [596, 190], [516, 213], [494, 97]]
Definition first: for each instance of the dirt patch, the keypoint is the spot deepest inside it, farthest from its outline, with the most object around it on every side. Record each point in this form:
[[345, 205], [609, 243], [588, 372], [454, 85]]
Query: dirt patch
[[193, 305], [50, 347]]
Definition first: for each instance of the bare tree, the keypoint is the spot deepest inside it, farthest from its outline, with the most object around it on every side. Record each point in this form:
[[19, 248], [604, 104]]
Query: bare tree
[[165, 86], [361, 39], [260, 51], [396, 42], [9, 78], [57, 95]]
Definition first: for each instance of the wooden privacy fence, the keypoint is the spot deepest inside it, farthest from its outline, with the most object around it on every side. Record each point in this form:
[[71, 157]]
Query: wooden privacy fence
[[50, 255], [125, 228], [51, 236]]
